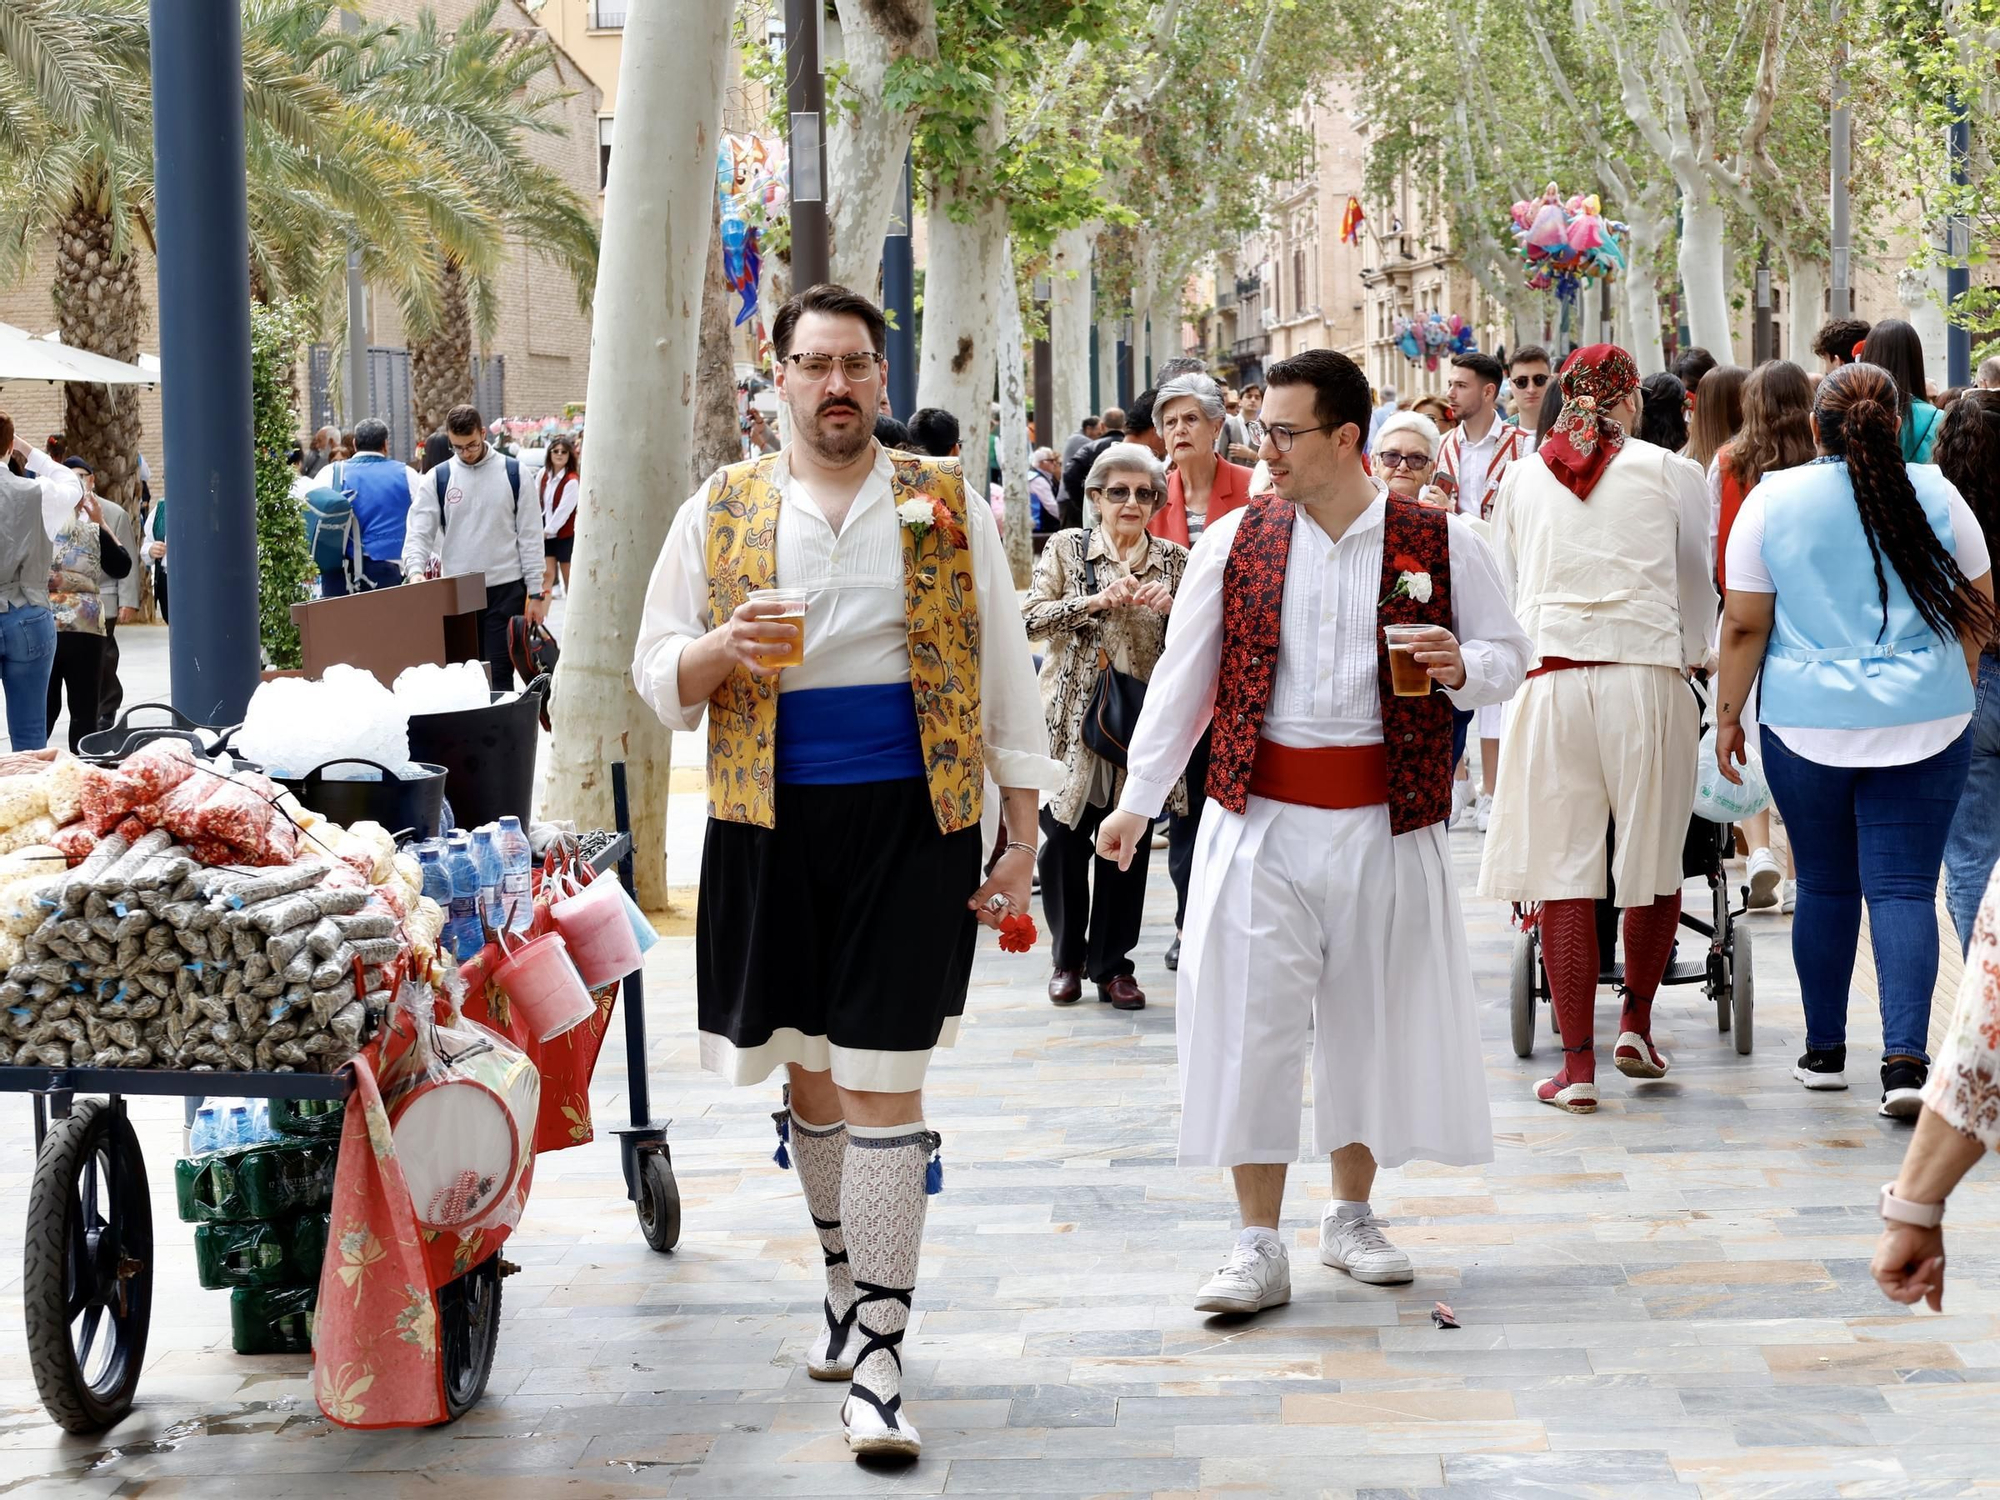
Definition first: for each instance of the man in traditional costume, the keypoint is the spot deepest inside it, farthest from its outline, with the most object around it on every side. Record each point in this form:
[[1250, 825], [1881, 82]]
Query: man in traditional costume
[[1603, 540], [841, 876], [1322, 899]]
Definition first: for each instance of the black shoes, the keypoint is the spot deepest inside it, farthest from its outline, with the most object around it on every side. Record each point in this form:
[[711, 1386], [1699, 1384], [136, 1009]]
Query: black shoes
[[1174, 954], [1903, 1081], [1822, 1070]]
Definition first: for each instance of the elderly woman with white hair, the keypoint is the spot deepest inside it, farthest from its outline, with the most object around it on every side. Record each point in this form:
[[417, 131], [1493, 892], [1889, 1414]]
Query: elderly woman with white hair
[[1204, 487], [1100, 598], [1405, 458]]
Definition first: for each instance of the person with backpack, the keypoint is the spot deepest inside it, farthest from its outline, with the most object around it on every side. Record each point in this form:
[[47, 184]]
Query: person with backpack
[[468, 514], [355, 519]]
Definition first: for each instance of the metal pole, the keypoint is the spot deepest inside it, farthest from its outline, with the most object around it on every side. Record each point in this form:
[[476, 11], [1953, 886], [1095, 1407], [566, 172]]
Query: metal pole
[[1958, 272], [357, 305], [203, 226], [805, 103], [1840, 297], [1763, 328], [1123, 355], [1044, 373], [899, 297]]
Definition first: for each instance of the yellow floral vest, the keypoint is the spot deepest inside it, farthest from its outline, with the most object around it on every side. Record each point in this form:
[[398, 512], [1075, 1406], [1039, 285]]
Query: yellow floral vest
[[742, 553]]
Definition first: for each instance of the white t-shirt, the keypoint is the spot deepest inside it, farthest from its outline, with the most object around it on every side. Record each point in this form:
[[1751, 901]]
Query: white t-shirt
[[1899, 744]]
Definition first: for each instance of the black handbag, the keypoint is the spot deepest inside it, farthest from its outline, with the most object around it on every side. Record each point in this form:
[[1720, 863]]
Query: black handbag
[[1113, 710]]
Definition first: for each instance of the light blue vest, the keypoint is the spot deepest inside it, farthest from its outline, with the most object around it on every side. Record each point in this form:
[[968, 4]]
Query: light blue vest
[[1831, 663]]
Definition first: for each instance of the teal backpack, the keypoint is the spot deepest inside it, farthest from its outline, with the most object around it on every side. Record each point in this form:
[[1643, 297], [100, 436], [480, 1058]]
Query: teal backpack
[[331, 526]]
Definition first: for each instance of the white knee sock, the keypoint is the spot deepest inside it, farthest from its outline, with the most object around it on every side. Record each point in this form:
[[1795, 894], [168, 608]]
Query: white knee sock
[[818, 1152], [882, 1204]]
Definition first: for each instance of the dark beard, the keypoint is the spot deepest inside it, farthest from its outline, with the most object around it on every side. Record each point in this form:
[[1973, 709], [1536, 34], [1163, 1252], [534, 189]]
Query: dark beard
[[831, 449]]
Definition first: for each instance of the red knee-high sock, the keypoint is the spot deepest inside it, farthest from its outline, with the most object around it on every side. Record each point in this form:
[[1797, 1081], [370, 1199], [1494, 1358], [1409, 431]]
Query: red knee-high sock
[[1649, 947], [1569, 953]]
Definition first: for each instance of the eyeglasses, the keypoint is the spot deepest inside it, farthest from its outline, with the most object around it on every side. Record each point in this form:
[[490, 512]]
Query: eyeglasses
[[856, 367], [1282, 437], [1402, 461], [1530, 382], [1119, 494]]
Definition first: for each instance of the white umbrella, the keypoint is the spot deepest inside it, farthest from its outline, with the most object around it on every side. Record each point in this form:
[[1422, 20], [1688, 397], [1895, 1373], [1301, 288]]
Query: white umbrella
[[25, 357]]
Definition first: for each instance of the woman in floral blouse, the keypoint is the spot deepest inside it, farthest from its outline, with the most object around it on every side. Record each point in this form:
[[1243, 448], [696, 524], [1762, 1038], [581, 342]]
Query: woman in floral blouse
[[1101, 595]]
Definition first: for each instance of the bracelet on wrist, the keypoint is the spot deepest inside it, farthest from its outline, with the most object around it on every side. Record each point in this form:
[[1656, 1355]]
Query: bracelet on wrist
[[1013, 844]]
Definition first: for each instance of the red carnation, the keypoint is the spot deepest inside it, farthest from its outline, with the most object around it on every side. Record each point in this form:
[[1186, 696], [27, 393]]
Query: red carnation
[[1406, 564], [1017, 932]]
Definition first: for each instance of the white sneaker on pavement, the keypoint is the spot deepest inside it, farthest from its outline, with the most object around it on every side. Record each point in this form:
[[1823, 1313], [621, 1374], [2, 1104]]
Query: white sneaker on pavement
[[1790, 899], [1482, 812], [1253, 1278], [1461, 798], [1358, 1246], [1765, 879]]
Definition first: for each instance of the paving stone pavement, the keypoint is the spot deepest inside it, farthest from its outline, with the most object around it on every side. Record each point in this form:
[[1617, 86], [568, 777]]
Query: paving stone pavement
[[1668, 1299]]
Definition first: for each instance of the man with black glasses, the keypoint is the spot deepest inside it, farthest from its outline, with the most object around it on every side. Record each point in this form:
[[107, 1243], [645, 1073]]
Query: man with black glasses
[[1529, 374]]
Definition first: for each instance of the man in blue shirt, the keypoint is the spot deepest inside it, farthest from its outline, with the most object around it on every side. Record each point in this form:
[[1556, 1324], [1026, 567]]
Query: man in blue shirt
[[380, 486]]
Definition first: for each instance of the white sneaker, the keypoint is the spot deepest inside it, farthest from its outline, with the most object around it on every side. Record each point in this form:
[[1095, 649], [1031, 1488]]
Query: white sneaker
[[1462, 797], [1253, 1278], [1361, 1249], [868, 1436], [1482, 812], [1765, 879], [1790, 898]]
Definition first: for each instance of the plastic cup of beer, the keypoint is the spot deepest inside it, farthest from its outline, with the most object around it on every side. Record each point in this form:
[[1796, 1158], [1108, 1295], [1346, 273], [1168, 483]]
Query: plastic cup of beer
[[792, 612], [1408, 677]]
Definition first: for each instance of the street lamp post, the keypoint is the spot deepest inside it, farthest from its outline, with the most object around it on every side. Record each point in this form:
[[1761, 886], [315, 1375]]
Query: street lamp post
[[202, 226], [1840, 298], [899, 298], [805, 105], [1958, 273]]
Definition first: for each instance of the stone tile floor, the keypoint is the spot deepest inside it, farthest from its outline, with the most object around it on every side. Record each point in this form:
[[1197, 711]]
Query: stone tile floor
[[1668, 1299]]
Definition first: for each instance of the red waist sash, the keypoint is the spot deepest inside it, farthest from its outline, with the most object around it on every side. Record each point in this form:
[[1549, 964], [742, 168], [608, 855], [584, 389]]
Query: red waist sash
[[1563, 664], [1330, 776]]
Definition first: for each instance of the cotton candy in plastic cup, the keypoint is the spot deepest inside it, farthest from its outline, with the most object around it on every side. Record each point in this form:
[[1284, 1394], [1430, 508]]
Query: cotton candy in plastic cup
[[542, 983], [599, 934]]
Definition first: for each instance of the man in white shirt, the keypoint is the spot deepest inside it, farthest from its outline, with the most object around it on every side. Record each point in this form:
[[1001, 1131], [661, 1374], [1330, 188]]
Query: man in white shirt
[[469, 513], [1322, 916], [1530, 374], [841, 882], [37, 498]]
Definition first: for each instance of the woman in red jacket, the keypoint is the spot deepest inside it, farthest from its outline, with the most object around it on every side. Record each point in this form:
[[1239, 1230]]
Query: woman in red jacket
[[1203, 487], [560, 488]]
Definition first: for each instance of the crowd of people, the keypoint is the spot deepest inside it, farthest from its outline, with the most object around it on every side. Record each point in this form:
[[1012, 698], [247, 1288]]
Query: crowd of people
[[1240, 608]]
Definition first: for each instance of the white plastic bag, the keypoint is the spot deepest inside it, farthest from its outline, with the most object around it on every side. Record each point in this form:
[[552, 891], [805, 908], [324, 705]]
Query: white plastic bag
[[1717, 798]]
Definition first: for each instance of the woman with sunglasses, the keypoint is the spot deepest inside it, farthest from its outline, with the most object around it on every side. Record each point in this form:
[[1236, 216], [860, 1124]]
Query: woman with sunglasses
[[1100, 599], [560, 487]]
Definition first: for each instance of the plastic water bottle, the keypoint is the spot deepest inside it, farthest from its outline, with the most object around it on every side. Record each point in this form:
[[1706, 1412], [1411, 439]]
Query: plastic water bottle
[[486, 860], [206, 1133], [434, 879], [237, 1131], [462, 926], [261, 1129], [517, 863]]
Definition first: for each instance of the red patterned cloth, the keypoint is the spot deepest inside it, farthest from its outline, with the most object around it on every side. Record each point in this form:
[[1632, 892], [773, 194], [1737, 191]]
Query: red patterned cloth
[[1580, 447], [1415, 731], [375, 1341]]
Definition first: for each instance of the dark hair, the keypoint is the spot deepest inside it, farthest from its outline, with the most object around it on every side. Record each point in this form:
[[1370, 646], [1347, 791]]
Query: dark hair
[[1950, 397], [1340, 391], [57, 447], [934, 430], [1836, 339], [1896, 347], [437, 450], [1718, 413], [371, 435], [836, 302], [1252, 386], [1777, 424], [1139, 415], [1691, 365], [1968, 451], [891, 434], [6, 434], [1856, 408], [1530, 354], [1548, 416], [463, 419], [1485, 366], [575, 464], [1663, 412], [1091, 419]]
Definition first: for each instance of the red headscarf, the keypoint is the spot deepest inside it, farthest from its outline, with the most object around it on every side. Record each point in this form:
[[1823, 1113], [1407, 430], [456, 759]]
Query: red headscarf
[[1582, 443]]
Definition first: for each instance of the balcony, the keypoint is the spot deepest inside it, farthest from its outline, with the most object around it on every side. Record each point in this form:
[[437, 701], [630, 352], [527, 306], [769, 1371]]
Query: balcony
[[608, 15], [1257, 344]]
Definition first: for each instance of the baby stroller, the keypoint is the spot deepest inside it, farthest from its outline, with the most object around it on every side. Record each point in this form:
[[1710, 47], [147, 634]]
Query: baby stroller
[[1724, 971]]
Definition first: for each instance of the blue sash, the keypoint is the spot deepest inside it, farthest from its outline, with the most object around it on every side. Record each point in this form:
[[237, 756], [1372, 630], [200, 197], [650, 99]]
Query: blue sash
[[843, 735]]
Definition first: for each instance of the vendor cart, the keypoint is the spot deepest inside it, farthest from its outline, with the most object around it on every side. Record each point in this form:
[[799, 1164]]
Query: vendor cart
[[87, 1288]]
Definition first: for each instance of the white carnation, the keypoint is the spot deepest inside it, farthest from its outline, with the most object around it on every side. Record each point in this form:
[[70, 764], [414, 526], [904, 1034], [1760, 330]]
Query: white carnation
[[916, 513], [1420, 586]]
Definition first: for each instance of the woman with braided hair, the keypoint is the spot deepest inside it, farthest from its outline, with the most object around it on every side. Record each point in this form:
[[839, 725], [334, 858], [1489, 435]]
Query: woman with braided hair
[[1860, 589], [1968, 453]]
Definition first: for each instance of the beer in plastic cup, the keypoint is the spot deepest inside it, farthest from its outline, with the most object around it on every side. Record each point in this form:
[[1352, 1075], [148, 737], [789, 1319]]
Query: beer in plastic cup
[[1408, 677], [793, 613]]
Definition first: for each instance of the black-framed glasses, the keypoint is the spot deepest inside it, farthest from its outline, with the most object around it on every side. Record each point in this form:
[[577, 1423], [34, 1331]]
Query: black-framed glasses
[[1531, 382], [1402, 461], [1283, 437], [1120, 494], [856, 367]]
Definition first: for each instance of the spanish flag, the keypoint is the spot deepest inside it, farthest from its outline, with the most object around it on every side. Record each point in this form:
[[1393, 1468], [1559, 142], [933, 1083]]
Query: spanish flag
[[1350, 223]]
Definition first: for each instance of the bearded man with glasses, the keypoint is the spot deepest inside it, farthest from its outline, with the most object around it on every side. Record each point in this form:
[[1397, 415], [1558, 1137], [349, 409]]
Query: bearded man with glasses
[[852, 727], [1323, 921]]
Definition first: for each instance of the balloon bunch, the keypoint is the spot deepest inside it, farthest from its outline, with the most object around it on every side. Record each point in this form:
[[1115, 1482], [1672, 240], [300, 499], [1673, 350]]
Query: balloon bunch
[[748, 169], [1564, 242], [1431, 337]]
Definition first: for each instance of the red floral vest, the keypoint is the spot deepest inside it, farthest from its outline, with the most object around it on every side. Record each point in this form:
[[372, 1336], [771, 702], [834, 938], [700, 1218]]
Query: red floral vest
[[1417, 731]]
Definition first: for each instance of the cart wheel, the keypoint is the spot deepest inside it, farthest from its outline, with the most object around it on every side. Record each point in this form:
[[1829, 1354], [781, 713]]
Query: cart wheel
[[469, 1332], [87, 1282], [659, 1201], [1743, 998], [1521, 995]]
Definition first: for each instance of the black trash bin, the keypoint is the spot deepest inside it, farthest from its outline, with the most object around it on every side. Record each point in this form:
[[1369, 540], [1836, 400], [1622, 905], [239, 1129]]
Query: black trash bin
[[488, 755], [408, 809]]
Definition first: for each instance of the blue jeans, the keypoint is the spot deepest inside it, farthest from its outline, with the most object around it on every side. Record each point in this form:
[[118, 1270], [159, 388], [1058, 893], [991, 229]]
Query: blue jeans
[[1876, 832], [1974, 844], [27, 653]]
